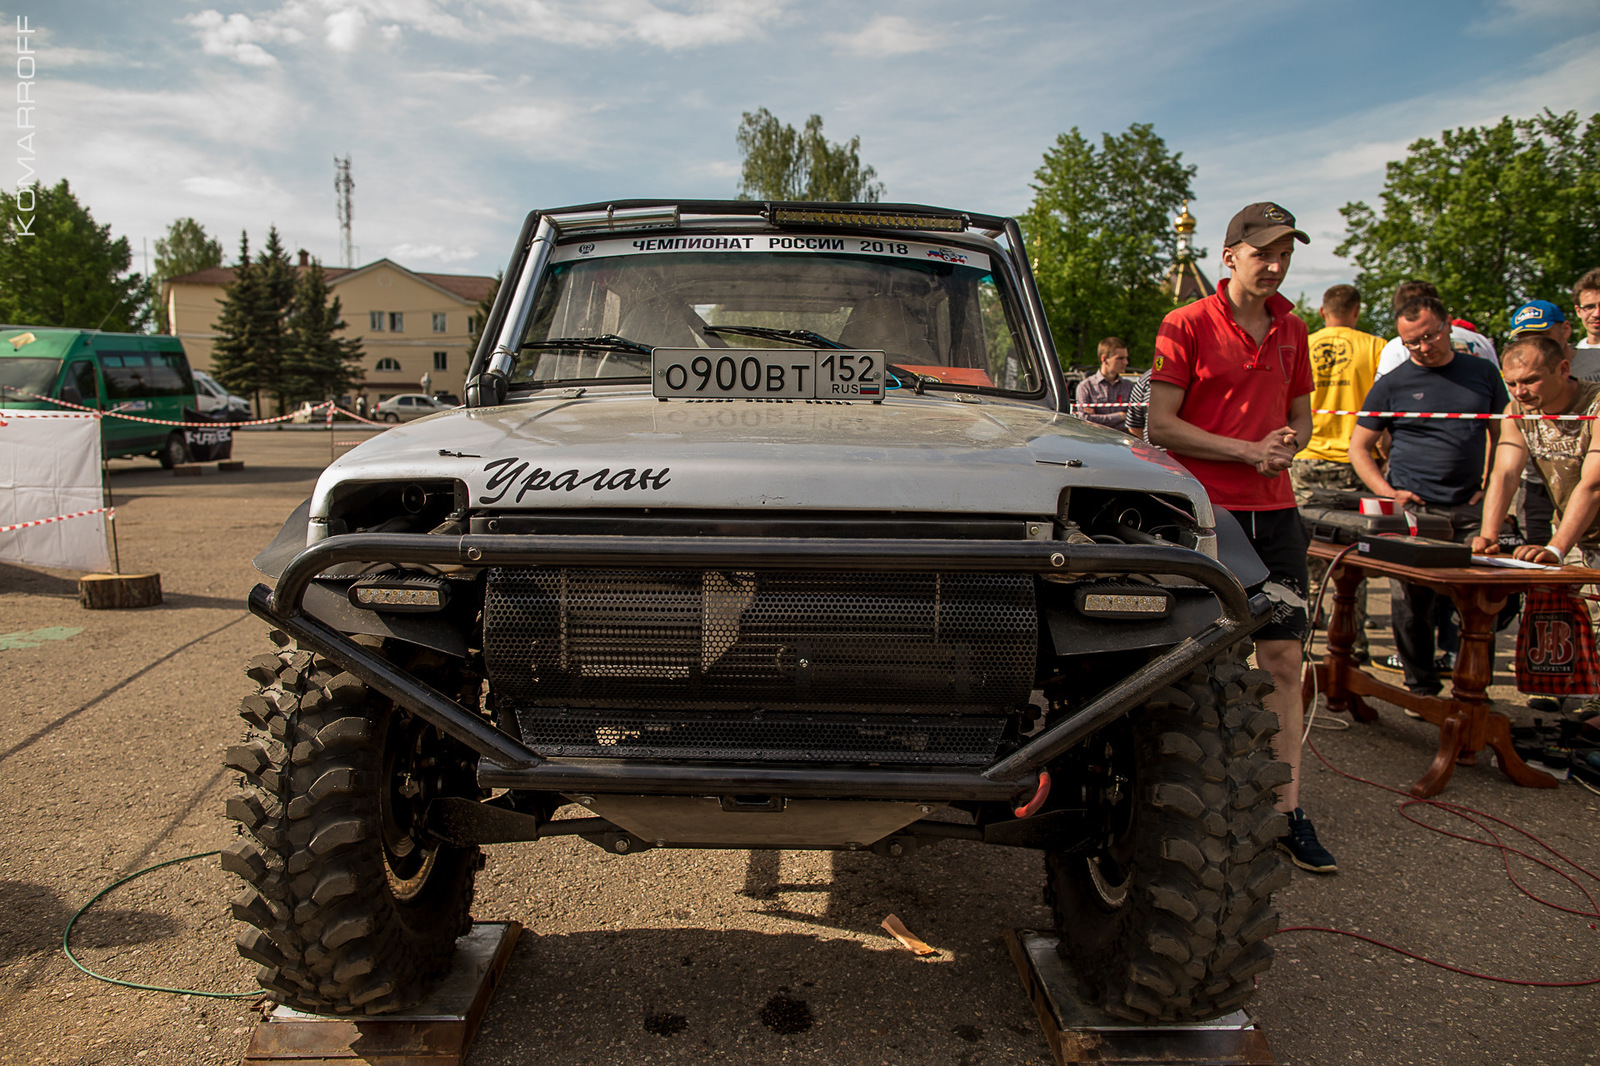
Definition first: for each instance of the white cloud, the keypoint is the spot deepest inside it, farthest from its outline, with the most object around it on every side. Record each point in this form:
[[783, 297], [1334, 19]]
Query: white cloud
[[239, 37], [889, 35], [411, 254], [345, 29]]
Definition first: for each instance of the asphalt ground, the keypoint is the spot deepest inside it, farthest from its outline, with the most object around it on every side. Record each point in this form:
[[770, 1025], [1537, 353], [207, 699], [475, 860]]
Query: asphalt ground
[[111, 760]]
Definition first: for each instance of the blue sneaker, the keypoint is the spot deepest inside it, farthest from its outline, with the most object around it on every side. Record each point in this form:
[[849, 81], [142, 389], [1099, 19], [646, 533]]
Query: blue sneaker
[[1303, 847]]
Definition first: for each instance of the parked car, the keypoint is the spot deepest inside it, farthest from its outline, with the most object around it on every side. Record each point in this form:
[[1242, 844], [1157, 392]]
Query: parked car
[[146, 376], [211, 397], [405, 407], [762, 527]]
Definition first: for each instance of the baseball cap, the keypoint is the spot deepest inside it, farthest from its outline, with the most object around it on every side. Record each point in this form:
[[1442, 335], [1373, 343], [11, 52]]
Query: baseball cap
[[1535, 316], [1260, 224]]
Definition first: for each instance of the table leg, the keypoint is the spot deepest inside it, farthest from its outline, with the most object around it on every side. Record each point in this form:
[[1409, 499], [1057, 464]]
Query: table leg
[[1340, 659], [1480, 725], [1451, 731]]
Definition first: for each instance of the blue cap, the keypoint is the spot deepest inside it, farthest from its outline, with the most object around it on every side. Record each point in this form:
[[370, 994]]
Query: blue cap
[[1535, 316]]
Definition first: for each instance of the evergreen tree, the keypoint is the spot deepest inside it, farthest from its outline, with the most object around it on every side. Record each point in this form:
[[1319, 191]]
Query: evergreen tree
[[186, 248], [57, 268], [317, 364], [275, 276], [236, 354]]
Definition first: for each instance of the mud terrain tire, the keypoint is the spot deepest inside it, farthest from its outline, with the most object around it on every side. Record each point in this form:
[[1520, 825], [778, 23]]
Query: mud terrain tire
[[351, 908], [1167, 918]]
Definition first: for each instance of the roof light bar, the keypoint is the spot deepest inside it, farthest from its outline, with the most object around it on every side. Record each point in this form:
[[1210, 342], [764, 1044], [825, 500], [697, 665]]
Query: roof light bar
[[804, 216], [614, 220]]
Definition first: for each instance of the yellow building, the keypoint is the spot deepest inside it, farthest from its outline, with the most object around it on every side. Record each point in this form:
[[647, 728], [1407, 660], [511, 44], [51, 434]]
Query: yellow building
[[409, 324]]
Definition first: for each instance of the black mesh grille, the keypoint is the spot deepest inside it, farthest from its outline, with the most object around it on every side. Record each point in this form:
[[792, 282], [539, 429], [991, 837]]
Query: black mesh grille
[[768, 640], [902, 739]]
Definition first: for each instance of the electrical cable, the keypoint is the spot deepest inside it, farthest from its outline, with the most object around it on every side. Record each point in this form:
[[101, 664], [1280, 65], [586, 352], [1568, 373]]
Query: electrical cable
[[66, 938], [1460, 811], [1506, 851]]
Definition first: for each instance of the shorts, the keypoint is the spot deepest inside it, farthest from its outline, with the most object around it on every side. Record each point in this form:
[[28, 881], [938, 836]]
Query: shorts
[[1279, 538]]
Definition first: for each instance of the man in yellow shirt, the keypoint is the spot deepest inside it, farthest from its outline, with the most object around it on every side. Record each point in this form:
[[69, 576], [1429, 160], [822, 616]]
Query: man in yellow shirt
[[1344, 364]]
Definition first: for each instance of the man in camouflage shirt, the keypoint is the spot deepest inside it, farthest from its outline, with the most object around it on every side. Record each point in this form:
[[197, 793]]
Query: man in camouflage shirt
[[1537, 372]]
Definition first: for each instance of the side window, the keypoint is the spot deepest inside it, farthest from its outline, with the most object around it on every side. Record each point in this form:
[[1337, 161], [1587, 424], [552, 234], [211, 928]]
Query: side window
[[178, 365], [81, 375], [375, 321], [124, 381]]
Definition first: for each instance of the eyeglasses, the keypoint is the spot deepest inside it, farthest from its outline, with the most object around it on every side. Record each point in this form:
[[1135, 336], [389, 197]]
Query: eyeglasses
[[1422, 343], [1589, 309]]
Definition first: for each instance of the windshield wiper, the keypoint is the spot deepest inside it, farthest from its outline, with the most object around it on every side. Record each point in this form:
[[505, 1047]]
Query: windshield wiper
[[606, 342], [794, 336]]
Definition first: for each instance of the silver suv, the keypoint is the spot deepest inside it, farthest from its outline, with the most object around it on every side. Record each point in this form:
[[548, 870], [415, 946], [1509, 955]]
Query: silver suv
[[764, 526]]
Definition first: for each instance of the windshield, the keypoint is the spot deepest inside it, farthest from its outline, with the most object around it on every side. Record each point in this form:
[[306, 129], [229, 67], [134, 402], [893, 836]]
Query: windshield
[[29, 375], [940, 313]]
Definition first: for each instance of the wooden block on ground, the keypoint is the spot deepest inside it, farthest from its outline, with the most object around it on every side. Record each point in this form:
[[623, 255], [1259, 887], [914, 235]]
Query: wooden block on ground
[[230, 465], [1078, 1034], [437, 1032], [186, 470], [97, 592]]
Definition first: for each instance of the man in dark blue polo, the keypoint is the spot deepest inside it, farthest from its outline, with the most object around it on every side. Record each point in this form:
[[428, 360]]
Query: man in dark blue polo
[[1436, 466]]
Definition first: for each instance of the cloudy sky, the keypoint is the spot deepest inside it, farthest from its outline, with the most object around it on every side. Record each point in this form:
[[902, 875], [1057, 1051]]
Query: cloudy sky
[[460, 117]]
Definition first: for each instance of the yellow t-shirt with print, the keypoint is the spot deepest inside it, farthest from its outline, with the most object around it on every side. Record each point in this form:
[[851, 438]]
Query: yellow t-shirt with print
[[1344, 364]]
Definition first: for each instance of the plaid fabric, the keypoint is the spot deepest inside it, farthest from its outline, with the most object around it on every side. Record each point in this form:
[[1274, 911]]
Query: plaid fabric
[[1555, 645]]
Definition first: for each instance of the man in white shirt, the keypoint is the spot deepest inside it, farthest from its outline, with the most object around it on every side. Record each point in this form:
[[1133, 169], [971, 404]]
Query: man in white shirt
[[1394, 353], [1586, 302]]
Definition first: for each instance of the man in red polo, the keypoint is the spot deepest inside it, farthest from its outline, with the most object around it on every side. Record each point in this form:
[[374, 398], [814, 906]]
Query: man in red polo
[[1230, 398]]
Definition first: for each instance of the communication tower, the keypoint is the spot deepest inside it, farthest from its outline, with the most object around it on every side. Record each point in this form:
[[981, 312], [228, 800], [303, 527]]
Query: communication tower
[[343, 184]]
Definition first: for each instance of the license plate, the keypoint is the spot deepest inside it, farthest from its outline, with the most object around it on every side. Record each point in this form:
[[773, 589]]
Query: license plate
[[766, 374]]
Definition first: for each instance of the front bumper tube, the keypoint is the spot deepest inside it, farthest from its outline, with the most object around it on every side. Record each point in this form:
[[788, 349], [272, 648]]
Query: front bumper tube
[[508, 763]]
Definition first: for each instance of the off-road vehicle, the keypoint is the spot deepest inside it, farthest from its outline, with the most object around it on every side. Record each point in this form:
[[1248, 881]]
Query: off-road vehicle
[[764, 525]]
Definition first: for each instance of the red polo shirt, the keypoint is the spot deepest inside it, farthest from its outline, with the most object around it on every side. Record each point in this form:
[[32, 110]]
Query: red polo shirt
[[1234, 389]]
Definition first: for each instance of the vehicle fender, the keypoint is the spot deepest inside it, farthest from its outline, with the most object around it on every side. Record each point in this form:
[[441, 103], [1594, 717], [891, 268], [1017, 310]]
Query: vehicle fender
[[290, 541], [1234, 551]]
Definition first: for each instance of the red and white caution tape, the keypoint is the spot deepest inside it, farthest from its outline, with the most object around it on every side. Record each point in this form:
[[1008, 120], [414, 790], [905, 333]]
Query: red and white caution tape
[[161, 421], [1459, 414], [110, 512], [1528, 416]]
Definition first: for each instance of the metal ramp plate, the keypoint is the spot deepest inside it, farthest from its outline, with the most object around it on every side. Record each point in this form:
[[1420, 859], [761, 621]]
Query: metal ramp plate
[[1081, 1034], [437, 1032]]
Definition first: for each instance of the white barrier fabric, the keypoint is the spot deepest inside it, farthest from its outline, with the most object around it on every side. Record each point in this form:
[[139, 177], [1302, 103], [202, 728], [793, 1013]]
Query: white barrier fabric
[[50, 465]]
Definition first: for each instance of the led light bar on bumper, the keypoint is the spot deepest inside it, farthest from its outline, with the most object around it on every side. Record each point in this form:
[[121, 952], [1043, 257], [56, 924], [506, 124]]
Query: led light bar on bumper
[[796, 216], [401, 592]]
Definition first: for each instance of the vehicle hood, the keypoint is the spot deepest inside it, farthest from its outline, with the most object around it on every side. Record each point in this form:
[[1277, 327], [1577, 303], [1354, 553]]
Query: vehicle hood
[[611, 449]]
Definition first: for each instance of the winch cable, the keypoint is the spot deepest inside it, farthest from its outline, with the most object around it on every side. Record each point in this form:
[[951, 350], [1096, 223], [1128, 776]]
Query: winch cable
[[1468, 814], [66, 938]]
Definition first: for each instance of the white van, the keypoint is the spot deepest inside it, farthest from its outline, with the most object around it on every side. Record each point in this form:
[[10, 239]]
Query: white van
[[211, 397]]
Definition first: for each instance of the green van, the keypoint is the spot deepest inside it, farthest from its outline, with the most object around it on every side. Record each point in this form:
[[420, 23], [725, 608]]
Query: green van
[[134, 373]]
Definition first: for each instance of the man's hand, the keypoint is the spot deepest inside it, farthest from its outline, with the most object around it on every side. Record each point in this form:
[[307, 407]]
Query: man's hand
[[1272, 454], [1537, 553], [1407, 498], [1485, 546]]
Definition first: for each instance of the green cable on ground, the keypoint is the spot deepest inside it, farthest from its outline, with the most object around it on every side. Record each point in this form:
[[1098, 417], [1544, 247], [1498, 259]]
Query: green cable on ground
[[66, 937]]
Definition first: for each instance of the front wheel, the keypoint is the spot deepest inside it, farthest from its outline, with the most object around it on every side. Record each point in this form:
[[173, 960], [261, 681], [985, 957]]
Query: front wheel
[[353, 907], [1165, 916], [174, 452]]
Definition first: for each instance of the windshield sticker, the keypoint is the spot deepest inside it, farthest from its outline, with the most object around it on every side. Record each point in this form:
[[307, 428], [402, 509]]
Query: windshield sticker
[[771, 242]]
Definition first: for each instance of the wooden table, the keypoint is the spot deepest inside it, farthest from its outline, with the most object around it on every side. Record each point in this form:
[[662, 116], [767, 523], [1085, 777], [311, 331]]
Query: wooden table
[[1466, 720]]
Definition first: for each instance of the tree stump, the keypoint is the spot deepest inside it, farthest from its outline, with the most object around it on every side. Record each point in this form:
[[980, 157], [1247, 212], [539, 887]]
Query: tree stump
[[186, 470], [230, 465], [104, 592]]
